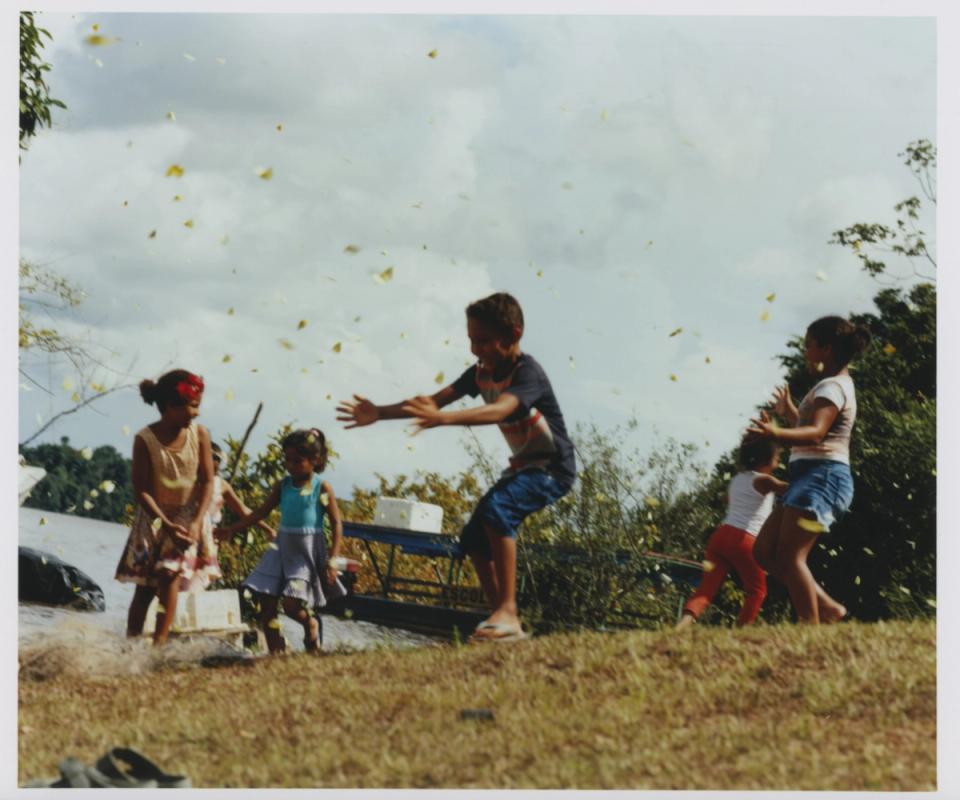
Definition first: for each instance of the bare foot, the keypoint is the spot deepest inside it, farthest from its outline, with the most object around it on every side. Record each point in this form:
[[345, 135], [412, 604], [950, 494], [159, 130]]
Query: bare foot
[[686, 621], [832, 613], [311, 641]]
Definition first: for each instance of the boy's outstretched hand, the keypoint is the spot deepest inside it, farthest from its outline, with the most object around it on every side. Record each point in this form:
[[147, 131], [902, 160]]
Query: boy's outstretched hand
[[359, 412], [424, 410]]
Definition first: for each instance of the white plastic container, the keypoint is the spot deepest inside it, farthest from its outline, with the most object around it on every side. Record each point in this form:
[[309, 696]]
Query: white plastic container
[[197, 612], [408, 515]]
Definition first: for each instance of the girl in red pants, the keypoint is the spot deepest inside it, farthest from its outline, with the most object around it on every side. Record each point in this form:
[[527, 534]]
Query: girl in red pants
[[749, 503]]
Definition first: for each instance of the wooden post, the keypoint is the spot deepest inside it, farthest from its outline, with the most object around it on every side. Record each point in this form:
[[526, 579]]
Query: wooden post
[[243, 443]]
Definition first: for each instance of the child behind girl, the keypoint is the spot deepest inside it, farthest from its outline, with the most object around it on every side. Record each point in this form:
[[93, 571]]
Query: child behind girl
[[749, 502], [297, 570], [170, 546], [224, 495], [821, 485]]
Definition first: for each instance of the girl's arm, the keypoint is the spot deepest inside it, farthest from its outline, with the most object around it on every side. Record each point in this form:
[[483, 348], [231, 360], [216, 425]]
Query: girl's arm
[[361, 411], [205, 473], [239, 508], [272, 501], [824, 414], [767, 483], [428, 415], [142, 478], [336, 526], [784, 406]]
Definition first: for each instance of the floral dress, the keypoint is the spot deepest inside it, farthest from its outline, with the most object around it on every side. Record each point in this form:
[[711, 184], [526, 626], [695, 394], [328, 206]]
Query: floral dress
[[150, 549]]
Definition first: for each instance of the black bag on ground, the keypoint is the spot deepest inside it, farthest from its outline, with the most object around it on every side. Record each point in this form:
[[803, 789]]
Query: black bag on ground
[[44, 578]]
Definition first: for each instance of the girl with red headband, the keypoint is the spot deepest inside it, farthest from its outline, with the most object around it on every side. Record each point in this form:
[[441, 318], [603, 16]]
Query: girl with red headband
[[171, 545]]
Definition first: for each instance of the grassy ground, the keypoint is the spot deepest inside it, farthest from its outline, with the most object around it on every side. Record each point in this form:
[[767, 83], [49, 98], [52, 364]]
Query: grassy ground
[[783, 707]]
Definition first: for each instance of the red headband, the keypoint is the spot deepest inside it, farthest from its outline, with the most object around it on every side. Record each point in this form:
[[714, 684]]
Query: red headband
[[191, 388]]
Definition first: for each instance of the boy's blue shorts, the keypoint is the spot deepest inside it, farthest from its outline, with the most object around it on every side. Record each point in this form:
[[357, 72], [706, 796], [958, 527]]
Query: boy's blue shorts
[[508, 502]]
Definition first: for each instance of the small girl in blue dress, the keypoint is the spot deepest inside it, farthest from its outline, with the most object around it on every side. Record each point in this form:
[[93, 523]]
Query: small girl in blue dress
[[297, 570]]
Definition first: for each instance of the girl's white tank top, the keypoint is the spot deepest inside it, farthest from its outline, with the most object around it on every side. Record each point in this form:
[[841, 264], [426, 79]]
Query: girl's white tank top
[[747, 509]]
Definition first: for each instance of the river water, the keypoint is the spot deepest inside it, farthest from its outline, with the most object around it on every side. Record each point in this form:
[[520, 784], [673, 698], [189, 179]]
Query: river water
[[94, 547]]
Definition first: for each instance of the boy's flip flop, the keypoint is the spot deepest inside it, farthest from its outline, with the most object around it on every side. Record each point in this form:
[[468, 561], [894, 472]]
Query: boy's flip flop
[[498, 632], [125, 766]]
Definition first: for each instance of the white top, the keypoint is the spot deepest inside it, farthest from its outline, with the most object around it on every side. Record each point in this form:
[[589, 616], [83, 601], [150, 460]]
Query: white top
[[215, 509], [836, 444], [747, 509]]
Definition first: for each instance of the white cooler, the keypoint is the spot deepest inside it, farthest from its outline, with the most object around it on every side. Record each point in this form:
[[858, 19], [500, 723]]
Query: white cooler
[[215, 612], [408, 515]]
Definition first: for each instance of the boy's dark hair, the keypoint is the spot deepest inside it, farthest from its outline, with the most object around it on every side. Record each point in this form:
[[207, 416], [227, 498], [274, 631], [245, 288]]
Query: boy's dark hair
[[756, 452], [174, 388], [217, 452], [310, 444], [848, 340], [500, 311]]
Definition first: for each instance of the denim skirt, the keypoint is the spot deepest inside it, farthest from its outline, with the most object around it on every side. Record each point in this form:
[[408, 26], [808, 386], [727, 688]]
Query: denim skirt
[[821, 486]]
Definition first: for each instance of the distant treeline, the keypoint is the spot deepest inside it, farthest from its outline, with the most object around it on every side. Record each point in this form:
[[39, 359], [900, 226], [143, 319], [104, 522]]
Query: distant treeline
[[98, 487]]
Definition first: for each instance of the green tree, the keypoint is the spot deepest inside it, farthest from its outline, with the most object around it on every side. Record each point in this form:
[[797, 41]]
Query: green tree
[[35, 99], [98, 487], [871, 242]]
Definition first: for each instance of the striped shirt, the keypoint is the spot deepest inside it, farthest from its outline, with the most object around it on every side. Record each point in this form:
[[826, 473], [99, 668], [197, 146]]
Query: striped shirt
[[535, 432]]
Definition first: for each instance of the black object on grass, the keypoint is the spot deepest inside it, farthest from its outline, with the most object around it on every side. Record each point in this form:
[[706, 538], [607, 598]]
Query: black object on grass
[[477, 713]]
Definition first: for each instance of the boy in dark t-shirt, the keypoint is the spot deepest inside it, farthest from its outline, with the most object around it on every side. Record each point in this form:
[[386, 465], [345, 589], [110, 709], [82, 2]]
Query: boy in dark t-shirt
[[519, 399]]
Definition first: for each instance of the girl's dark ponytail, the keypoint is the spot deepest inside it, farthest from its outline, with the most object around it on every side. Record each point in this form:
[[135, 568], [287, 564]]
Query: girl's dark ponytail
[[174, 388], [148, 391]]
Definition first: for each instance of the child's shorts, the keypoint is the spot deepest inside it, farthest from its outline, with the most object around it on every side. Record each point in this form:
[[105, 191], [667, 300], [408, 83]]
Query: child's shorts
[[508, 502], [821, 486]]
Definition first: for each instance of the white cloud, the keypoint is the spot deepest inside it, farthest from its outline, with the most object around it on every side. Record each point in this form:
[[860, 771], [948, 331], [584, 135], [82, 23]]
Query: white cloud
[[644, 166]]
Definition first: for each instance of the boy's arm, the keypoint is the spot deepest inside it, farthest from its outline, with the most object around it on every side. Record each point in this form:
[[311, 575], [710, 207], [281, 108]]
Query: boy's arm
[[361, 411], [428, 415]]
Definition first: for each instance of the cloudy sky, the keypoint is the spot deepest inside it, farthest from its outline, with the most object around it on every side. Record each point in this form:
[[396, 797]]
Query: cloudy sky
[[623, 177]]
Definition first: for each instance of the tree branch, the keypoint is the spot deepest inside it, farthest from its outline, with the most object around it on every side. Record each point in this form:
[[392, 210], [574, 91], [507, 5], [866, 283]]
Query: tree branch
[[73, 410], [243, 443]]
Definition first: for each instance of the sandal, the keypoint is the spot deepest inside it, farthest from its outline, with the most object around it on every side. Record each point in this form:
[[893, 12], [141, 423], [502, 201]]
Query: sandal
[[497, 632], [74, 774], [126, 767]]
